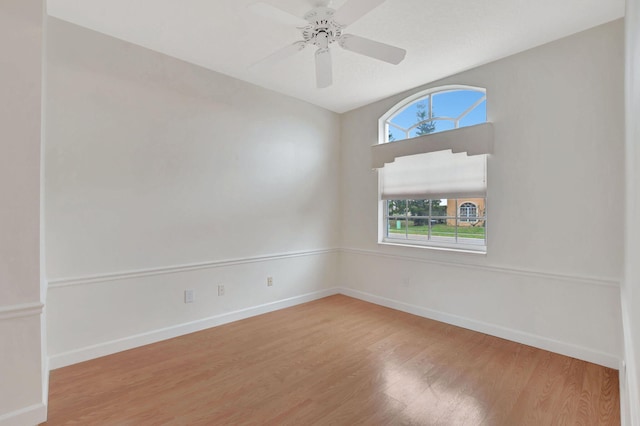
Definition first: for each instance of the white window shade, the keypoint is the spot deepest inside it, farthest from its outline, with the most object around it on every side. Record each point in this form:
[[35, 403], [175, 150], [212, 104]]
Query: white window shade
[[441, 174]]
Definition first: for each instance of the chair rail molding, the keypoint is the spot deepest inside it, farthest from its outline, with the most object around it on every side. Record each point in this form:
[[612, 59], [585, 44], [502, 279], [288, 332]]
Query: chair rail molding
[[597, 281], [21, 310], [116, 276]]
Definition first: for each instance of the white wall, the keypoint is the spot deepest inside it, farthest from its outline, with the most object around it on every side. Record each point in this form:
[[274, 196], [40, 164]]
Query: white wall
[[551, 276], [21, 358], [631, 283], [163, 176]]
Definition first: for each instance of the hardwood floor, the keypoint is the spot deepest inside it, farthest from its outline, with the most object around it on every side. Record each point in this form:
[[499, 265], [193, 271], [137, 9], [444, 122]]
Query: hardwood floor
[[337, 361]]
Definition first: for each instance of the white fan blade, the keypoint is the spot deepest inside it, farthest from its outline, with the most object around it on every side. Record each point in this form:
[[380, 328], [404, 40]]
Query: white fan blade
[[275, 13], [374, 49], [324, 73], [353, 10], [281, 54]]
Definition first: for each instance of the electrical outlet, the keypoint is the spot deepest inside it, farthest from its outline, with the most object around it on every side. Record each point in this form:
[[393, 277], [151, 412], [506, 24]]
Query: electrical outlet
[[189, 296], [269, 281], [220, 289]]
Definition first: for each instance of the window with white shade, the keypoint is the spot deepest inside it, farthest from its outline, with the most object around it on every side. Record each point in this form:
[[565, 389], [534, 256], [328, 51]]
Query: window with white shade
[[432, 168]]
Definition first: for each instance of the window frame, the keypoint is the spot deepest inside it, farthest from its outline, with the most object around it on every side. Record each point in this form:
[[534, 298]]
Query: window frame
[[398, 108], [429, 243], [383, 132]]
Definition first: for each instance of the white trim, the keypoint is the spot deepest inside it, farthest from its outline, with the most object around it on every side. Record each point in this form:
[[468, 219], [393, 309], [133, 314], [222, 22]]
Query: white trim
[[116, 276], [623, 389], [44, 370], [22, 310], [31, 415], [130, 342], [563, 348], [629, 386], [598, 281], [434, 245]]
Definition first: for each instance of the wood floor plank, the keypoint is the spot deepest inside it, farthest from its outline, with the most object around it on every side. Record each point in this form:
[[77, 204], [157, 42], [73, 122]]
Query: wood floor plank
[[339, 361], [566, 405], [516, 373], [609, 402]]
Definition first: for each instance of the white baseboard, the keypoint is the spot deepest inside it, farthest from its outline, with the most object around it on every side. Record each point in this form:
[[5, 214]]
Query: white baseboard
[[31, 415], [130, 342], [624, 395], [629, 386], [563, 348]]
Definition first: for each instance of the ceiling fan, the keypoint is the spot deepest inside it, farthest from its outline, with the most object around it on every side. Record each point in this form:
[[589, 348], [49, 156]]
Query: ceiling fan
[[323, 26]]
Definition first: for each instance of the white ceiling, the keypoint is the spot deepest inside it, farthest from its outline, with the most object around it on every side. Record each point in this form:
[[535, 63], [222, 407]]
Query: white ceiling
[[442, 37]]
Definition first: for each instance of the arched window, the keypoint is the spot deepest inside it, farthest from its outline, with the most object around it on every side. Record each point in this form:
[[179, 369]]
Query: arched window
[[468, 212], [429, 112], [431, 158]]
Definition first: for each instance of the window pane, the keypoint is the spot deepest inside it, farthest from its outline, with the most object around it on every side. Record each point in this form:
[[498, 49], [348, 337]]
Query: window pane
[[396, 208], [395, 134], [418, 219], [418, 208], [454, 103], [439, 210], [476, 116], [411, 115], [432, 127], [396, 228], [472, 233], [418, 229], [425, 128], [443, 232], [443, 125], [451, 104]]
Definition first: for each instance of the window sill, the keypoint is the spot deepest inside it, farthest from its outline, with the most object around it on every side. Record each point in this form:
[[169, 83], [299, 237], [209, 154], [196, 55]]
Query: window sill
[[482, 251]]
